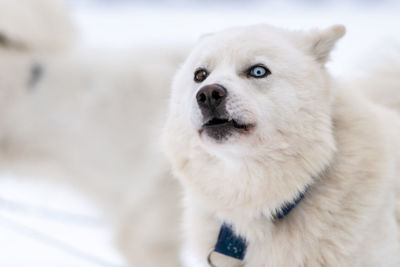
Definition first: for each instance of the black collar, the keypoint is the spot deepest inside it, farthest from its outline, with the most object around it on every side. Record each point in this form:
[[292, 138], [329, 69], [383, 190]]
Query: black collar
[[232, 245]]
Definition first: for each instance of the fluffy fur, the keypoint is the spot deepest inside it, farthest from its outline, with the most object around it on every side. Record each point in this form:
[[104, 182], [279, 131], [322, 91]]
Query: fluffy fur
[[39, 25], [310, 130], [72, 117], [84, 120], [91, 123]]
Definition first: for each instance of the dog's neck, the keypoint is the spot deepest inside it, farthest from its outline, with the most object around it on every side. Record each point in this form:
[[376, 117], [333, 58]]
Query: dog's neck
[[249, 194], [232, 245]]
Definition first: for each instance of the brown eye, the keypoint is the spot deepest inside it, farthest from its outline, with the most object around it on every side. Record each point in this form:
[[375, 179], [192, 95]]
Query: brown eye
[[200, 75]]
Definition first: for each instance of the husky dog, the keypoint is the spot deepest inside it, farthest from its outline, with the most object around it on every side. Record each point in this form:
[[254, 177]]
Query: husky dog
[[281, 164], [81, 120], [70, 116]]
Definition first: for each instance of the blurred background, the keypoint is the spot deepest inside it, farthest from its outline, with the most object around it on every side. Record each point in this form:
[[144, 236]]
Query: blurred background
[[83, 93]]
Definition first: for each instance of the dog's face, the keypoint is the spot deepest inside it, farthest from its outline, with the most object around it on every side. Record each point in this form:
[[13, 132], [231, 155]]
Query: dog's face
[[258, 92], [250, 83]]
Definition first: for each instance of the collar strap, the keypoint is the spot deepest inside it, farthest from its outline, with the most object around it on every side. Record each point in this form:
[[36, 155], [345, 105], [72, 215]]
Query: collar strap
[[287, 207], [232, 245]]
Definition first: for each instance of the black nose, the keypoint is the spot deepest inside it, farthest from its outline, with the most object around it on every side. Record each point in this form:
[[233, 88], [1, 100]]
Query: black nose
[[211, 97]]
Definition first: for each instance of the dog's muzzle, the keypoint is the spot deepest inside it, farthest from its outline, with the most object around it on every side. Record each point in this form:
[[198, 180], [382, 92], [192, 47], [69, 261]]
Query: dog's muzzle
[[217, 122]]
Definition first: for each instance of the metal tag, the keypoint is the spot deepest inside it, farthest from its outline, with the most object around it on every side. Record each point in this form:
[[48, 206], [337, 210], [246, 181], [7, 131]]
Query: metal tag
[[216, 259]]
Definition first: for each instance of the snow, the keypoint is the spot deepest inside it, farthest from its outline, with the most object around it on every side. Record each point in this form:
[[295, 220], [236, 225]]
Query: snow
[[369, 24], [42, 224], [47, 225]]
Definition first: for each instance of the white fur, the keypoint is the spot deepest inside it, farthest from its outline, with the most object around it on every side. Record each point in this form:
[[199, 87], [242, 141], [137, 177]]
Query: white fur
[[86, 122], [310, 130], [90, 121], [35, 25]]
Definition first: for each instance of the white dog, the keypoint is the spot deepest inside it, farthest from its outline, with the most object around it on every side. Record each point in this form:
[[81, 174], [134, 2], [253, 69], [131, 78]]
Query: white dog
[[71, 116], [281, 165]]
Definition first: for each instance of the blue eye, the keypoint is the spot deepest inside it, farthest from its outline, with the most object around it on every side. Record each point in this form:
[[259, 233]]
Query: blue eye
[[258, 71]]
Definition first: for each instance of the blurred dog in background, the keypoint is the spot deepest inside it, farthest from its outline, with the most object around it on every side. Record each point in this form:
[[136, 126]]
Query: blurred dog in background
[[89, 120]]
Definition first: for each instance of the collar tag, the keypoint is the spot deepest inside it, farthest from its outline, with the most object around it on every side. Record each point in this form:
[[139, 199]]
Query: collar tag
[[215, 259], [229, 244]]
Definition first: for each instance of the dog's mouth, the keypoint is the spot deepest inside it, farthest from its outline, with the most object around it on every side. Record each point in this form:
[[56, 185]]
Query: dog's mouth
[[218, 122], [222, 128]]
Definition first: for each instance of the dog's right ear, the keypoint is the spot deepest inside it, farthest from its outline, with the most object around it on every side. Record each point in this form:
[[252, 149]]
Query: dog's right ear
[[321, 42]]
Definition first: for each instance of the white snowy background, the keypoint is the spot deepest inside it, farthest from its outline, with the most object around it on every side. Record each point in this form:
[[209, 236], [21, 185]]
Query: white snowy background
[[48, 225]]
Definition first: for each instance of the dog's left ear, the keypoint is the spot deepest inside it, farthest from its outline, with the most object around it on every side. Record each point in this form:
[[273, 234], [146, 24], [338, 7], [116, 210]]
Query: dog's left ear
[[321, 42]]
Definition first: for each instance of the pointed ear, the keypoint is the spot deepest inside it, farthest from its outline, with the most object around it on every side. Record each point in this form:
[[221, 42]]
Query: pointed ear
[[321, 42]]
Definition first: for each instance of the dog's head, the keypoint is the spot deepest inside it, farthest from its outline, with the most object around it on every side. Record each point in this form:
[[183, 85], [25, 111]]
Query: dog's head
[[252, 92]]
